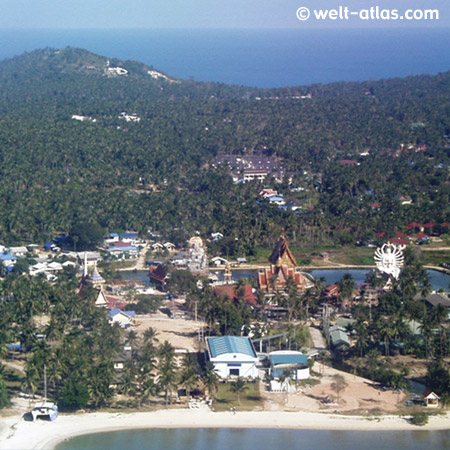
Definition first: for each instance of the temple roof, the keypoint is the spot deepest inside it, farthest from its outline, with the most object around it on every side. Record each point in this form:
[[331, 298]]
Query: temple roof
[[282, 254], [95, 278]]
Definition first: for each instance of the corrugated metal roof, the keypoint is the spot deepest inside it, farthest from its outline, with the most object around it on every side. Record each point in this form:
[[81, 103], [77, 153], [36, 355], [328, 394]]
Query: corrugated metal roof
[[220, 345], [288, 359], [339, 337]]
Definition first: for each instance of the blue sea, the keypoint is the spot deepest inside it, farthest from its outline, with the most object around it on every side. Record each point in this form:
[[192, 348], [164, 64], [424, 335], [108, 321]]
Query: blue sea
[[261, 58]]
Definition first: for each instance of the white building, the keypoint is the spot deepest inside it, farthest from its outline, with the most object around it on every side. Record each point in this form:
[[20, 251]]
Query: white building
[[18, 251], [124, 318], [287, 361], [232, 356], [218, 261], [117, 71]]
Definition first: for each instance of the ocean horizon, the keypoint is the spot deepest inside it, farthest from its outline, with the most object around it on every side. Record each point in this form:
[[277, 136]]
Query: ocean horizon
[[260, 58]]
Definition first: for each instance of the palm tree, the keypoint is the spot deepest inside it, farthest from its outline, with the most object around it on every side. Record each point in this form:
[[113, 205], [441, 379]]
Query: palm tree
[[362, 332], [189, 373], [346, 287], [148, 389], [284, 379], [189, 381], [132, 339], [210, 379], [127, 383], [149, 335], [32, 379], [167, 369], [238, 386]]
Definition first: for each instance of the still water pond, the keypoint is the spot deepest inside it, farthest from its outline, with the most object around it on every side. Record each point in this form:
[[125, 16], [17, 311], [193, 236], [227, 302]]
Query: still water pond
[[439, 280]]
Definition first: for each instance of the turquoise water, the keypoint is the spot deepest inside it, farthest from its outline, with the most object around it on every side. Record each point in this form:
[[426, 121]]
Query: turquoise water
[[258, 439], [262, 58]]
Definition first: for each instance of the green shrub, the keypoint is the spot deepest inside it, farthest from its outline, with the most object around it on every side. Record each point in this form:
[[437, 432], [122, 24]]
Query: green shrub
[[419, 418], [4, 398]]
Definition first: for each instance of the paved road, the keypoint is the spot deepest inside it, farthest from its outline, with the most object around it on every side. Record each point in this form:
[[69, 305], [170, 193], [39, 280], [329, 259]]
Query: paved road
[[318, 340], [13, 365], [140, 262]]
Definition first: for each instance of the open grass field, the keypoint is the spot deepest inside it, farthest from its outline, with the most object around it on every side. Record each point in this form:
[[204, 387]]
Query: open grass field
[[226, 399]]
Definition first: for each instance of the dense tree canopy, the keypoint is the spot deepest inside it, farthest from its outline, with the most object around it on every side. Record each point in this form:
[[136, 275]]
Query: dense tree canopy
[[59, 173]]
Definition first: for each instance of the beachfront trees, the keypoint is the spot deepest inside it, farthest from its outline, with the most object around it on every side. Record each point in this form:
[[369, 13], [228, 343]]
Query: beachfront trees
[[73, 396], [4, 398], [100, 381], [189, 373], [167, 374], [210, 379]]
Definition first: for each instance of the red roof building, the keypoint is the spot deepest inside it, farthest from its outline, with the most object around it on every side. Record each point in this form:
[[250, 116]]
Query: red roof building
[[231, 291], [282, 267], [398, 241], [413, 225], [349, 162]]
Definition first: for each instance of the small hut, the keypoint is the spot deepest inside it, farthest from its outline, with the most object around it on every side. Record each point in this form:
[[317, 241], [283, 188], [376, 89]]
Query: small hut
[[431, 399]]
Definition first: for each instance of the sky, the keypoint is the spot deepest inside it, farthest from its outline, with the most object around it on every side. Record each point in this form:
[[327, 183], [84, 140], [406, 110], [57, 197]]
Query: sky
[[262, 14]]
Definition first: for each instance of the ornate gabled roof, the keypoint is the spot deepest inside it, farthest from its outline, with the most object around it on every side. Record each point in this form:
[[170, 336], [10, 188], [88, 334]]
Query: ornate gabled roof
[[95, 277], [159, 273], [282, 255]]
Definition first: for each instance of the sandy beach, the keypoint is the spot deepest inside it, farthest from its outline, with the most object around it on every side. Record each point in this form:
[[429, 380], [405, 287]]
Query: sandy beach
[[16, 433]]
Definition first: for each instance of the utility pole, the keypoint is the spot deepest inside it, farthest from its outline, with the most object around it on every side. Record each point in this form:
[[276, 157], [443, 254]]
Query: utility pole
[[45, 382]]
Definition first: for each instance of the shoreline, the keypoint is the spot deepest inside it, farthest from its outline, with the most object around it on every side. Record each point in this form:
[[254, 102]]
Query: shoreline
[[18, 434]]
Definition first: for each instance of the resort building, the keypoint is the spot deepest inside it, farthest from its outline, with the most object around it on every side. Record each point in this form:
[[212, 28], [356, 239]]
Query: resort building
[[232, 356]]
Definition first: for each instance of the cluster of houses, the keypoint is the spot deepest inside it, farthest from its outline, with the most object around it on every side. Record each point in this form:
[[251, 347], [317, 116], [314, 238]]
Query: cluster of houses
[[275, 198], [122, 245], [129, 117], [115, 71], [252, 167]]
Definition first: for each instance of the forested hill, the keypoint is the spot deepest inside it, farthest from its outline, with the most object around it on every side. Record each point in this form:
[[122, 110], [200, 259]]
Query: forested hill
[[104, 166]]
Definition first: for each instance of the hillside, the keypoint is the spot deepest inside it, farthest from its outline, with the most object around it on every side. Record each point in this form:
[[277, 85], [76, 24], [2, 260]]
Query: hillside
[[133, 148]]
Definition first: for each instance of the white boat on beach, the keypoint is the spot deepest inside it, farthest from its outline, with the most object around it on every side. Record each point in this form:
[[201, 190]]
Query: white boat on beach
[[45, 410]]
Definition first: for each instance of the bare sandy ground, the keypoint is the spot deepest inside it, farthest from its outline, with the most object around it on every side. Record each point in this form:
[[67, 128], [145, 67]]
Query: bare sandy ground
[[15, 433], [360, 394], [181, 333]]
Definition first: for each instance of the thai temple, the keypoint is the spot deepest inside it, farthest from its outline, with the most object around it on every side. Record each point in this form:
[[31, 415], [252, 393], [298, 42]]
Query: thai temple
[[198, 261], [282, 267]]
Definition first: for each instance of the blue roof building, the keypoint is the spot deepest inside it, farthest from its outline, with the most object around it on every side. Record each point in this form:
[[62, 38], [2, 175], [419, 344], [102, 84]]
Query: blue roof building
[[295, 363], [232, 356], [123, 318], [8, 261], [6, 257]]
